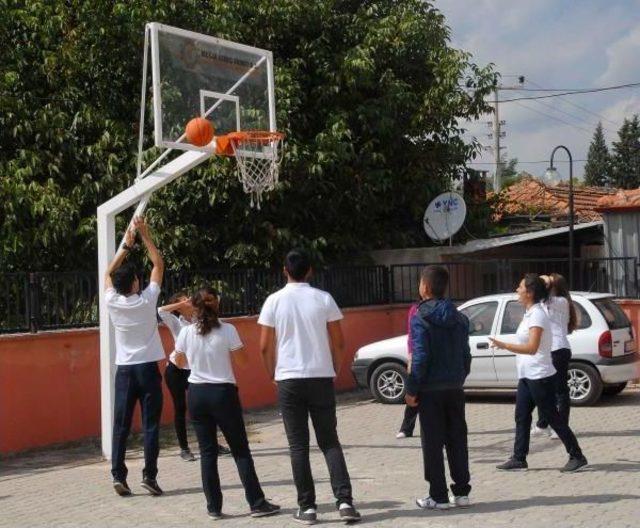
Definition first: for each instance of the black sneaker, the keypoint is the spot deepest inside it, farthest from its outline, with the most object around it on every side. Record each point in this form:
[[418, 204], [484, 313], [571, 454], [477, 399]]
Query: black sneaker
[[223, 450], [122, 488], [151, 485], [216, 516], [266, 508], [305, 517], [187, 455], [575, 464], [514, 465], [349, 514]]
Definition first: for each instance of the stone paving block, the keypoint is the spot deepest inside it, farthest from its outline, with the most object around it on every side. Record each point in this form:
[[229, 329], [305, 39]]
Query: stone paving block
[[72, 487]]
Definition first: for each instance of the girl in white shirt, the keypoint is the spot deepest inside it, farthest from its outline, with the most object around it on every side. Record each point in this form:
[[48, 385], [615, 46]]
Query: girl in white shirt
[[207, 347], [563, 317], [536, 374], [176, 315]]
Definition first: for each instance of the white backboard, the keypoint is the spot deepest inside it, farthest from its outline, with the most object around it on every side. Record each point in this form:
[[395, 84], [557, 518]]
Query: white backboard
[[194, 75]]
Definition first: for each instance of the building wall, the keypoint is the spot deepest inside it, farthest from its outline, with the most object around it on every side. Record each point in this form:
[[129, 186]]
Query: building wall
[[622, 238], [50, 381]]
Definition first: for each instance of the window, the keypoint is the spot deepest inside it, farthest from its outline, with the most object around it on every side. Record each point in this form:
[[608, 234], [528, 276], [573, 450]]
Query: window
[[513, 314], [613, 314], [481, 317], [584, 321]]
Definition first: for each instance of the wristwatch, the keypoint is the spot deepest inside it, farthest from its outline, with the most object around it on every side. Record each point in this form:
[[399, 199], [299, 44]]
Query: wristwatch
[[126, 248]]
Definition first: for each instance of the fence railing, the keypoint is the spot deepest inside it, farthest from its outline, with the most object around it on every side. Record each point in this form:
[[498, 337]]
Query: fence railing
[[55, 300], [474, 278]]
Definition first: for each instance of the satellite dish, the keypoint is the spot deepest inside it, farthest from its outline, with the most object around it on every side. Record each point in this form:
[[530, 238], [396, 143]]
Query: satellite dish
[[444, 216]]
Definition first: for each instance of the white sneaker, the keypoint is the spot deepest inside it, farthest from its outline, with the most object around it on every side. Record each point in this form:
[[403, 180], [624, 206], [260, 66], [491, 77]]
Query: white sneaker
[[429, 504], [540, 431], [461, 501], [554, 436], [401, 435]]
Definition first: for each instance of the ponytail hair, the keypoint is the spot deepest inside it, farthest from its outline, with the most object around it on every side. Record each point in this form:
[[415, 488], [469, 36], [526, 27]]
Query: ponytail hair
[[205, 304], [560, 288], [536, 286]]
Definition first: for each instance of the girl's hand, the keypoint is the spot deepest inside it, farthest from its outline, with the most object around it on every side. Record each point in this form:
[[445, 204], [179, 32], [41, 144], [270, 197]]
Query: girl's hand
[[496, 343]]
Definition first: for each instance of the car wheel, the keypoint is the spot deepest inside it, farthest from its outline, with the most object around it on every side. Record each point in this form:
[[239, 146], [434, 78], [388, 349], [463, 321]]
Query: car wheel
[[585, 384], [614, 388], [388, 383]]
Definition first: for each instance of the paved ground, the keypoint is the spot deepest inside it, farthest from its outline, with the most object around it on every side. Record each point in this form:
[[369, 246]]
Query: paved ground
[[72, 487]]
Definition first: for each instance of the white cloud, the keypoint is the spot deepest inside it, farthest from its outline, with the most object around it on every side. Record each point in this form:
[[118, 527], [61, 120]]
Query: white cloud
[[554, 44], [623, 60]]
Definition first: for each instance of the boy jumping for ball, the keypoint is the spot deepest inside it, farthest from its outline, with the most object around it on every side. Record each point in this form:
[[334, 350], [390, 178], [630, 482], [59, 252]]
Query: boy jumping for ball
[[138, 350]]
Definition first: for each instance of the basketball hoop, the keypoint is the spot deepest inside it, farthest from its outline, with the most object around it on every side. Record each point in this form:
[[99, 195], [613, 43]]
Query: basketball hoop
[[258, 155]]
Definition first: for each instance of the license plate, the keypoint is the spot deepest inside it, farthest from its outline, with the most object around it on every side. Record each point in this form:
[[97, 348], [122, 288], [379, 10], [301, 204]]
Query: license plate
[[629, 347]]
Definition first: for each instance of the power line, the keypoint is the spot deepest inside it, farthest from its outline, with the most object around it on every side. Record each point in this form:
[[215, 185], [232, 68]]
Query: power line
[[590, 132], [599, 116], [573, 92], [527, 162], [571, 115]]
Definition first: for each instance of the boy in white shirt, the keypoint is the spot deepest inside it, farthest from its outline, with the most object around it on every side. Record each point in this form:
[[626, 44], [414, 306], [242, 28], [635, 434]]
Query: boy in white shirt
[[138, 350], [301, 345]]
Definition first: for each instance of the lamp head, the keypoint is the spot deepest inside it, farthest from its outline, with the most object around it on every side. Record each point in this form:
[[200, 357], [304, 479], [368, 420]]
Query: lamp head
[[552, 176]]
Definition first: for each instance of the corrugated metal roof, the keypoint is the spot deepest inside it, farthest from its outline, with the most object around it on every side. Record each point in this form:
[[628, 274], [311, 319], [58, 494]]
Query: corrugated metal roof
[[488, 243]]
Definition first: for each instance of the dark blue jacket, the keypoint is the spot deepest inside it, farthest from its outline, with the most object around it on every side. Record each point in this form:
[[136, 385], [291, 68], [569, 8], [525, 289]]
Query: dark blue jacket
[[441, 358]]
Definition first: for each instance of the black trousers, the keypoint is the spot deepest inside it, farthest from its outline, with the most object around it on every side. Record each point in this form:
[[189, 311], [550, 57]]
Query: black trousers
[[560, 358], [409, 421], [213, 405], [443, 423], [135, 383], [541, 393], [177, 381], [314, 397]]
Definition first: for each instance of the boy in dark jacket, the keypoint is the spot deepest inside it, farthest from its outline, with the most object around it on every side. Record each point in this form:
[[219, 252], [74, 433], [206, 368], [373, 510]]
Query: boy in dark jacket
[[440, 363]]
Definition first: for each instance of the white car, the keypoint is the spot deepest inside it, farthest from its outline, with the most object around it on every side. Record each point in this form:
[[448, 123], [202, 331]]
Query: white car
[[604, 356]]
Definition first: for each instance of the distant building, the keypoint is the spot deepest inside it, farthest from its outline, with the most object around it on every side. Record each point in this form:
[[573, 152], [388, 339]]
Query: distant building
[[621, 215]]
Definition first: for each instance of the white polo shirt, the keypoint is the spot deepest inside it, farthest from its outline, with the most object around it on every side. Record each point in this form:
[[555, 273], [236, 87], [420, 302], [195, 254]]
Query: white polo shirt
[[557, 309], [134, 319], [209, 356], [174, 324], [538, 365], [299, 314]]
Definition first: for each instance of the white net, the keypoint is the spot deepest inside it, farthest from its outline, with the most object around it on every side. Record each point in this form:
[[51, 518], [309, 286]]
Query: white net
[[258, 156]]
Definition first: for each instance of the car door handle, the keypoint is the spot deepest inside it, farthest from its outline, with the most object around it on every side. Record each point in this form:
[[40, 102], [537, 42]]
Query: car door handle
[[482, 345]]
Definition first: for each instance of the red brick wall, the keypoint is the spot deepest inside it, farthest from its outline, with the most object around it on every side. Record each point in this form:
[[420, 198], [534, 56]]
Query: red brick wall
[[50, 381]]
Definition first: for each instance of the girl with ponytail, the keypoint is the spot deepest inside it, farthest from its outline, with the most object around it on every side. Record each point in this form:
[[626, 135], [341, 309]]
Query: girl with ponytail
[[207, 347]]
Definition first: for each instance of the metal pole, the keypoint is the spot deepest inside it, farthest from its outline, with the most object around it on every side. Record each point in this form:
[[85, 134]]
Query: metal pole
[[571, 209]]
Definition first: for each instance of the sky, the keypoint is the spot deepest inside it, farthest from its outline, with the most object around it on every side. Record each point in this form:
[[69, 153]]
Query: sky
[[554, 44]]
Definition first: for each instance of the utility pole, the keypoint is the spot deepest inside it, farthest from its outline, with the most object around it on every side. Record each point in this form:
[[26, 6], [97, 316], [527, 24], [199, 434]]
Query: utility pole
[[497, 133], [496, 141]]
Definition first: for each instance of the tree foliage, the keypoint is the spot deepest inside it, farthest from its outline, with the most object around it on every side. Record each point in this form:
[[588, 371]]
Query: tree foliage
[[370, 93], [625, 159], [597, 170]]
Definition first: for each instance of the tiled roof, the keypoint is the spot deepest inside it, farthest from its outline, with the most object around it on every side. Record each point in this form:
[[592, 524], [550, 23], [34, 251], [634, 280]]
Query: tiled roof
[[621, 200], [531, 197]]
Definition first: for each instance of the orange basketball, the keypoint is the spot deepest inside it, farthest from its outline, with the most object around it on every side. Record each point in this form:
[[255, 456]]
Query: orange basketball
[[199, 132]]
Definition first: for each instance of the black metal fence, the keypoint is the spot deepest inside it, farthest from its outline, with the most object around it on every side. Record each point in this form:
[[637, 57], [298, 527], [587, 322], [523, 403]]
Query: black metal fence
[[475, 278], [42, 301]]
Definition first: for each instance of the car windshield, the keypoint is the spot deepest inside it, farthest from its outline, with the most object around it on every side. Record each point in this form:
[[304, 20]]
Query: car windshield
[[612, 313]]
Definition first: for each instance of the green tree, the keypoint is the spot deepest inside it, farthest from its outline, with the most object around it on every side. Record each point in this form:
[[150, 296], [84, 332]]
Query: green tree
[[509, 173], [370, 94], [625, 163], [597, 170]]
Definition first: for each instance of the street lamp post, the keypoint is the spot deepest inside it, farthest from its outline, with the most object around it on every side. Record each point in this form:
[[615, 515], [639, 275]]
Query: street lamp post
[[551, 174]]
